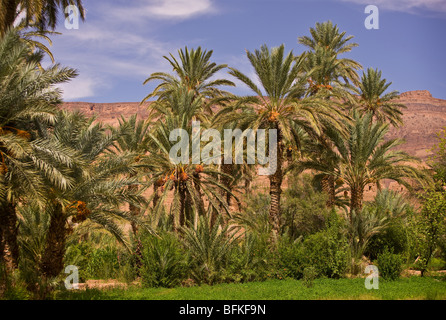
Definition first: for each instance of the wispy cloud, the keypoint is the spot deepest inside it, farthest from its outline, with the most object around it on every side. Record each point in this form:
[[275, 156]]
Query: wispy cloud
[[104, 49], [79, 88], [162, 9], [409, 6]]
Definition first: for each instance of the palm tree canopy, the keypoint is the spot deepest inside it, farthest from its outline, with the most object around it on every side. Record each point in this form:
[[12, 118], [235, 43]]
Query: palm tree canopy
[[40, 13], [323, 63], [195, 71], [28, 99], [279, 96], [373, 98], [327, 35], [367, 157]]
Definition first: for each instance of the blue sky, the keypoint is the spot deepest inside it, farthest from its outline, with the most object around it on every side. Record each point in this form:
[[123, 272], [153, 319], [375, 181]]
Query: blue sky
[[122, 42]]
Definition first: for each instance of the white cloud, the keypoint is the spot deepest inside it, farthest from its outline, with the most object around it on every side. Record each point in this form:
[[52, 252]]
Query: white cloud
[[121, 43], [161, 9], [410, 6], [81, 87], [180, 8]]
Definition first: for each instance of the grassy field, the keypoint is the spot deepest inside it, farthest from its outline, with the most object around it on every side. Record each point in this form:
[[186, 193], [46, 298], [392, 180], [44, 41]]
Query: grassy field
[[430, 288]]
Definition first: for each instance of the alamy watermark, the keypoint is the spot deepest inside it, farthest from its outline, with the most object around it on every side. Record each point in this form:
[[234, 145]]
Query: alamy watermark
[[73, 17], [372, 20], [211, 153], [372, 280], [72, 281]]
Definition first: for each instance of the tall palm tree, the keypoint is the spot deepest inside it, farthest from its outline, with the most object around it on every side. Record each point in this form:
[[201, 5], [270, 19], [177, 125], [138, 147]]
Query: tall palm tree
[[99, 186], [328, 42], [195, 71], [374, 99], [42, 13], [27, 98], [279, 107], [132, 137], [189, 183], [366, 157], [328, 72]]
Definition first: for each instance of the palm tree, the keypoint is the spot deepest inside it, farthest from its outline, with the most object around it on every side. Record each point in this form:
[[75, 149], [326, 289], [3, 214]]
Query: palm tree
[[373, 219], [366, 157], [42, 13], [328, 43], [133, 138], [27, 98], [333, 75], [189, 183], [194, 71], [372, 98], [100, 185], [279, 108]]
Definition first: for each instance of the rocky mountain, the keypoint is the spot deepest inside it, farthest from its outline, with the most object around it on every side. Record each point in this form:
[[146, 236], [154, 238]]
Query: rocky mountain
[[423, 118]]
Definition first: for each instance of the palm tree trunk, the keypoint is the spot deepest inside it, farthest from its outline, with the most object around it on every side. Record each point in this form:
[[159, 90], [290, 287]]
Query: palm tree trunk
[[8, 14], [328, 186], [53, 257], [275, 189], [188, 212], [356, 198], [155, 195], [227, 169], [134, 210], [197, 187], [182, 217], [8, 231]]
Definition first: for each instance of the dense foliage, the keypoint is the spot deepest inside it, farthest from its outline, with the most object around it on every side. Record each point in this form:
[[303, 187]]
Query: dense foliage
[[110, 200]]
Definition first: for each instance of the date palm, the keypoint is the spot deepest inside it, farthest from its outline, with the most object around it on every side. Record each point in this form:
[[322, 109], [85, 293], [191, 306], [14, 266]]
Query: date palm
[[366, 157], [327, 42], [190, 184], [133, 137], [335, 76], [100, 185], [279, 107], [27, 98], [43, 13], [374, 99], [195, 71]]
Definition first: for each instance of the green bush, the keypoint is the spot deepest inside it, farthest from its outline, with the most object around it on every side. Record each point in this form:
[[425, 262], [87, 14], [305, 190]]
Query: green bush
[[163, 261], [394, 237], [107, 262], [310, 273], [249, 260], [326, 251], [291, 261], [389, 265], [304, 209]]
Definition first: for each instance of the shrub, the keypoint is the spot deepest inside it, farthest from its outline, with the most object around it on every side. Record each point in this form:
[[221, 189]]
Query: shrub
[[390, 265], [326, 251], [310, 273], [304, 208], [291, 258], [394, 237], [250, 260], [163, 261]]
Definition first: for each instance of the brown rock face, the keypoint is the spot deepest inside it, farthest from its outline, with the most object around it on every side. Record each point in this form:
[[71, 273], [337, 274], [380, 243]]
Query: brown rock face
[[108, 112], [423, 118]]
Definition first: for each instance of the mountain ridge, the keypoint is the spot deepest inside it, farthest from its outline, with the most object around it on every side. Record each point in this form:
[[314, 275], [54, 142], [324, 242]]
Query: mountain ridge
[[424, 117]]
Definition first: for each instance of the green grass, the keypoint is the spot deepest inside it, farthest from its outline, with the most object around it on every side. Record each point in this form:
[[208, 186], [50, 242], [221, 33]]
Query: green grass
[[346, 289]]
